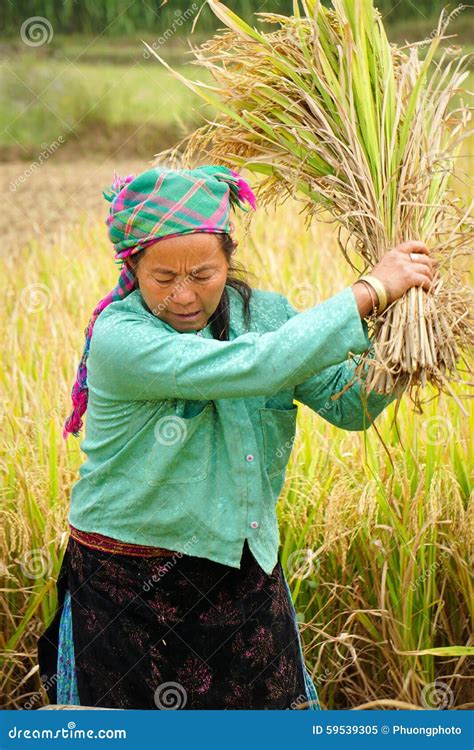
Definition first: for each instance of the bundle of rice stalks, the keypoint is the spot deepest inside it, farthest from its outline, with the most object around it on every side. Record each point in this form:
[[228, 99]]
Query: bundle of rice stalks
[[330, 112]]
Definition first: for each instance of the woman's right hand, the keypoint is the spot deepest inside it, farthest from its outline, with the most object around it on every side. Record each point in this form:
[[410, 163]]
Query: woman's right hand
[[398, 272]]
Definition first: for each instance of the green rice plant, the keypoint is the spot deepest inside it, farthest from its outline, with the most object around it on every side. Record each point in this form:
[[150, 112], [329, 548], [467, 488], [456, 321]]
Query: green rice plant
[[366, 134]]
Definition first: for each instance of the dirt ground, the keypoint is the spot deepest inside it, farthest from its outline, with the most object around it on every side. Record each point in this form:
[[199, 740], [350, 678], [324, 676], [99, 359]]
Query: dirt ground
[[37, 201]]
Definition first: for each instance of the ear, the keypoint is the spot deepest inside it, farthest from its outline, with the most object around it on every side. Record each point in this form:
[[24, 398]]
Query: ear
[[133, 259]]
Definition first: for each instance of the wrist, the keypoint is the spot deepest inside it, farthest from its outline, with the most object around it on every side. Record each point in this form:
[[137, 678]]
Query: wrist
[[378, 289], [364, 298]]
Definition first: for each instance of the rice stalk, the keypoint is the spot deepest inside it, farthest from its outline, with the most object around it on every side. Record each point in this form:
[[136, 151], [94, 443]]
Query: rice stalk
[[366, 134]]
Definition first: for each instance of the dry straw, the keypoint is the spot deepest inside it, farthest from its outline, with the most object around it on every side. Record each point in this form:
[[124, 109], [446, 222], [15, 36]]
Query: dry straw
[[365, 132]]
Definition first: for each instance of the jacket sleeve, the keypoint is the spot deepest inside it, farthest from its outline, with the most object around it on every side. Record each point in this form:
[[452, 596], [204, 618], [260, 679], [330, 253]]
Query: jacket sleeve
[[349, 410], [133, 358]]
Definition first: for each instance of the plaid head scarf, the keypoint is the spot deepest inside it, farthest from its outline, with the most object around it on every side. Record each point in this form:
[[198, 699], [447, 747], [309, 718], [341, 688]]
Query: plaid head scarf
[[156, 204]]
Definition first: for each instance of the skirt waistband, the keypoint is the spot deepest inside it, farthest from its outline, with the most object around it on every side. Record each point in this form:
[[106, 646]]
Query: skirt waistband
[[108, 544]]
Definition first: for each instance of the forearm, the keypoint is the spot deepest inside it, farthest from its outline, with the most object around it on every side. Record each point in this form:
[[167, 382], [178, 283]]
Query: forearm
[[135, 358], [348, 411]]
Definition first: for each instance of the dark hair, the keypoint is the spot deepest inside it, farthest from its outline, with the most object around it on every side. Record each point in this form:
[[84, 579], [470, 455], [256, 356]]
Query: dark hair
[[220, 318]]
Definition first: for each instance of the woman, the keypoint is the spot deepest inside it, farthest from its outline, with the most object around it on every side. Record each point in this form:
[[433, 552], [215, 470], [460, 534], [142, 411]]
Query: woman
[[171, 591]]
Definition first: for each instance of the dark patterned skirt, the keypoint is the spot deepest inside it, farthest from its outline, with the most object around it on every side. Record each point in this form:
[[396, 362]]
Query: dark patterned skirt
[[173, 633]]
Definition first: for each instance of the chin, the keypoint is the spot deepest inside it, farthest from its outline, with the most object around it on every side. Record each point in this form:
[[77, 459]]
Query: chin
[[186, 325]]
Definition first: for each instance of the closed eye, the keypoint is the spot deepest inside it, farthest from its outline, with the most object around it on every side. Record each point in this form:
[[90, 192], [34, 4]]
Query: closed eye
[[168, 281]]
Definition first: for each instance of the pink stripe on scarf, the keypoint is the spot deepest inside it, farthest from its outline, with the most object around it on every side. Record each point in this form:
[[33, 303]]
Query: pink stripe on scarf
[[218, 214], [178, 205], [139, 205]]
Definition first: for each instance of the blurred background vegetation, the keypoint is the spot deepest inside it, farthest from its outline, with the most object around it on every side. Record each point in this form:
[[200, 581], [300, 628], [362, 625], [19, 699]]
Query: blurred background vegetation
[[125, 17], [91, 80]]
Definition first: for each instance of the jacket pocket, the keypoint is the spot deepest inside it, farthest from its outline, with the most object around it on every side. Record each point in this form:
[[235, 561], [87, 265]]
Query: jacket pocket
[[181, 451], [278, 428]]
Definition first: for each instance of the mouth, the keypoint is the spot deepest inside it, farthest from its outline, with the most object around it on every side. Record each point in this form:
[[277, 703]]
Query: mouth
[[190, 316]]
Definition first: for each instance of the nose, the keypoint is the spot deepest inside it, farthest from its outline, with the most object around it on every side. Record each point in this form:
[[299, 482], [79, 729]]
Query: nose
[[185, 297]]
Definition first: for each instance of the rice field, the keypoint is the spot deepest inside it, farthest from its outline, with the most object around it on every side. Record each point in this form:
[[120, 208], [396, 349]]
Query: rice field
[[377, 528], [44, 100]]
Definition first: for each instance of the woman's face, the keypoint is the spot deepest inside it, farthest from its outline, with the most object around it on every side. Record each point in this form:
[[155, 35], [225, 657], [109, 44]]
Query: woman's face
[[181, 275]]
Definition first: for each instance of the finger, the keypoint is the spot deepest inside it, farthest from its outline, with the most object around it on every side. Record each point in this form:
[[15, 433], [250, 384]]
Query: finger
[[420, 258], [422, 268], [422, 281], [412, 246]]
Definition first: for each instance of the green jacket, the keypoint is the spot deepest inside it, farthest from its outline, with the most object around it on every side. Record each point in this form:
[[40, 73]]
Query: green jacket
[[188, 438]]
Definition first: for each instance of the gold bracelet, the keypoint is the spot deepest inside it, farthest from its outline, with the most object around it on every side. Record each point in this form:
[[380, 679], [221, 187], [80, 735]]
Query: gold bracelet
[[373, 297], [379, 289]]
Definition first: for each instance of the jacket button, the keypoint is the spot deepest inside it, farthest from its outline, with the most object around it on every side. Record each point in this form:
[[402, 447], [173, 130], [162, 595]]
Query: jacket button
[[254, 524], [250, 457]]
